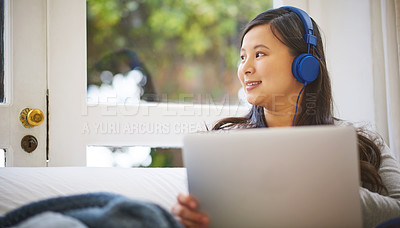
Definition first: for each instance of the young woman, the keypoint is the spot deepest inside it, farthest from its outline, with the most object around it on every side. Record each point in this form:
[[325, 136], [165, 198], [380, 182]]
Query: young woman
[[285, 95]]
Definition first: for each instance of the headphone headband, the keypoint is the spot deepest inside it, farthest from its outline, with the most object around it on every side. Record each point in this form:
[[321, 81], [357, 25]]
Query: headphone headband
[[307, 23], [305, 67]]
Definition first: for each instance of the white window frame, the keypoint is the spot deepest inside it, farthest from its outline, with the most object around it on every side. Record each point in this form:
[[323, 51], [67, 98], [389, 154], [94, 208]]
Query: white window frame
[[73, 121]]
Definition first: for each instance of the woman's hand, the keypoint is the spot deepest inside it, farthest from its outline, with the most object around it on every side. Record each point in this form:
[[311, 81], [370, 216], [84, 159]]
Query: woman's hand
[[186, 212]]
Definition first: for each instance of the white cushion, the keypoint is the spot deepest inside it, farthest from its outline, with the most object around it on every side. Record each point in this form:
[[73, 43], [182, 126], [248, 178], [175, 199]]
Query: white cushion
[[19, 186]]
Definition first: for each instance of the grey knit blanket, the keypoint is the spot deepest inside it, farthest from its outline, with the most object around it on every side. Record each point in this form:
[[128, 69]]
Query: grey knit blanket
[[96, 210]]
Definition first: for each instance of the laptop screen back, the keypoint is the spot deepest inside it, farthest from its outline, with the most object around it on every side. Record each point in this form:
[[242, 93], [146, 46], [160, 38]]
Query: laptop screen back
[[276, 177]]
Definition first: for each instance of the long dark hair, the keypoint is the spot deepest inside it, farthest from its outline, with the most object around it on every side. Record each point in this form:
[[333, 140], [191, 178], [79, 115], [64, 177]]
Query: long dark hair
[[316, 106]]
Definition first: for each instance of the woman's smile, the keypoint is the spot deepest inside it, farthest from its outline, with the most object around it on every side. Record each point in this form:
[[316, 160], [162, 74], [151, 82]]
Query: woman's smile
[[252, 84]]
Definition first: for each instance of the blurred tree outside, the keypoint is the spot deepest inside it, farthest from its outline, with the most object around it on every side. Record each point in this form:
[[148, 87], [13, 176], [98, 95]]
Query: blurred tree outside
[[189, 47]]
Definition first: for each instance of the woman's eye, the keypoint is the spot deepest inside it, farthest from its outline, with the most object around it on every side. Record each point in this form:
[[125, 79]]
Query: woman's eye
[[242, 57], [259, 54]]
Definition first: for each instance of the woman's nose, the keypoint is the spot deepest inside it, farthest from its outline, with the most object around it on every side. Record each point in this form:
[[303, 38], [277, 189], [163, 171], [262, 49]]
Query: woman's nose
[[248, 67]]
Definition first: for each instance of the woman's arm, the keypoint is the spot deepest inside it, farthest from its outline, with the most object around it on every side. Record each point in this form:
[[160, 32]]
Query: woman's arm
[[377, 208]]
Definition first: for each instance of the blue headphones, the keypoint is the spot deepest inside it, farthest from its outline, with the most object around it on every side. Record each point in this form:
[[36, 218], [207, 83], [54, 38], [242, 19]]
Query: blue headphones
[[305, 67]]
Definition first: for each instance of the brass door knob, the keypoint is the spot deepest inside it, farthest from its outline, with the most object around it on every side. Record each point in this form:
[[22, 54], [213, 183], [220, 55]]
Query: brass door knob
[[31, 117]]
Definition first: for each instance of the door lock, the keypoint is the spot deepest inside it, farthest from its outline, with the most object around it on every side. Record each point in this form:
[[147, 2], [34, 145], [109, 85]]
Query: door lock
[[31, 117], [29, 143]]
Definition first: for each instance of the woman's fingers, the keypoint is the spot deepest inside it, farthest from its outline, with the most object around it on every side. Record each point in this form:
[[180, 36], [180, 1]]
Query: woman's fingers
[[187, 200], [186, 212]]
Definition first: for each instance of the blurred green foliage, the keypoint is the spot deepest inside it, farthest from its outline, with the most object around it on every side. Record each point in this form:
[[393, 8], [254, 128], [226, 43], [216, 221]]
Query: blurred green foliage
[[166, 157], [188, 46]]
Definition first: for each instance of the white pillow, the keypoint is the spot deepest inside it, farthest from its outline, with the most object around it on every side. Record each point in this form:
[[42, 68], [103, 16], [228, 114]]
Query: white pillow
[[19, 186]]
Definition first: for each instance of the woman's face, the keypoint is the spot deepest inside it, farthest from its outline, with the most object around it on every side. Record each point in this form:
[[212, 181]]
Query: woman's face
[[265, 70]]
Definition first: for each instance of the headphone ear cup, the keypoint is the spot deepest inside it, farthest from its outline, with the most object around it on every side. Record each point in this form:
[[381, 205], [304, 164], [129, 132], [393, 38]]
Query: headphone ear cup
[[305, 68]]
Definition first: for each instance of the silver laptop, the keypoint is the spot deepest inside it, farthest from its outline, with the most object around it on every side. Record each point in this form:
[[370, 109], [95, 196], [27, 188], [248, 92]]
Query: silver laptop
[[276, 177]]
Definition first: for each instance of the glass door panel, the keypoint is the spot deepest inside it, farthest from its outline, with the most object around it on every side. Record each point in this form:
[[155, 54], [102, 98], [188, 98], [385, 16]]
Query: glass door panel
[[2, 158], [144, 51], [2, 53], [135, 156]]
